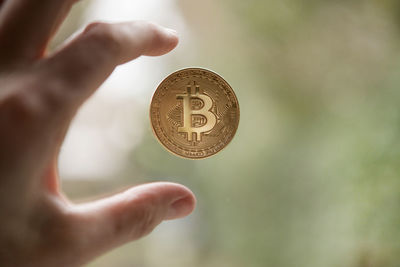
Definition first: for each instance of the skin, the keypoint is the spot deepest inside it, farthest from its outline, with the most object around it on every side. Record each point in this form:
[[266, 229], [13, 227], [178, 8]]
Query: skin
[[39, 95]]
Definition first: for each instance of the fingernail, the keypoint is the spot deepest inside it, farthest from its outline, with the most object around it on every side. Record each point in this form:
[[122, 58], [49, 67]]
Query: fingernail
[[172, 31], [180, 208]]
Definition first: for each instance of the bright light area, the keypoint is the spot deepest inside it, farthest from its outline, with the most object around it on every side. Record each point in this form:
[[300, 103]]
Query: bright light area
[[110, 124]]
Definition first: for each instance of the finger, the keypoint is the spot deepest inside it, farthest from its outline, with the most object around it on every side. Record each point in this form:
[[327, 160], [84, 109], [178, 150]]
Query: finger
[[74, 72], [127, 216], [26, 27], [88, 60]]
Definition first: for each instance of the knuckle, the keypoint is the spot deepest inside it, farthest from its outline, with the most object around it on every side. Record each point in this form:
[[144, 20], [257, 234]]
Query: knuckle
[[95, 27], [20, 107], [54, 94], [155, 33], [146, 220], [157, 41], [151, 27], [28, 107], [52, 222], [104, 35], [138, 223]]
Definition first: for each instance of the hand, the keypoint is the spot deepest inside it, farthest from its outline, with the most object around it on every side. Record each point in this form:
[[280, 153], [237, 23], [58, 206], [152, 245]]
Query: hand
[[39, 95]]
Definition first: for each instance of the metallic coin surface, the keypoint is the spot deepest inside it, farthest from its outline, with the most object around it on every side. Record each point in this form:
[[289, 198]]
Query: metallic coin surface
[[194, 113]]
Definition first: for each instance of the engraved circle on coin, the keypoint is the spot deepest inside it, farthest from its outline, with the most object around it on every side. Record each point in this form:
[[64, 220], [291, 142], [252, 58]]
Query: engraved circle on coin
[[194, 113]]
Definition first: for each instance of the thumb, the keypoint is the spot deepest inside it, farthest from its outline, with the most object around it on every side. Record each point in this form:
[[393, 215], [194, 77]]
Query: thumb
[[113, 221]]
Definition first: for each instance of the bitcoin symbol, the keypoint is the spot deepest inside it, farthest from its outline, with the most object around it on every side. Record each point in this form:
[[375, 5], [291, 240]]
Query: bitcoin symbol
[[194, 117], [184, 117]]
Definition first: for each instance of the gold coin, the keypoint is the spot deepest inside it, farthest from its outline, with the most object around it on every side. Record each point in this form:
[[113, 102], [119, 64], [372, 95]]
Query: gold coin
[[194, 113]]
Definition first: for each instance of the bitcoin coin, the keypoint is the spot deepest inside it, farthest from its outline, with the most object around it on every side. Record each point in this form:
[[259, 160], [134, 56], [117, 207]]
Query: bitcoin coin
[[194, 113]]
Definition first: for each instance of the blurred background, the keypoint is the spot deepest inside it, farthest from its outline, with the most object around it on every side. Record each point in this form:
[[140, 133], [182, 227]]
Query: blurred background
[[312, 175]]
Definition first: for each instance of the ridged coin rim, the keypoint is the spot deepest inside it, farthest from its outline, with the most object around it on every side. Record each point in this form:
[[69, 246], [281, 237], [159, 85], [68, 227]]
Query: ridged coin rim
[[199, 69]]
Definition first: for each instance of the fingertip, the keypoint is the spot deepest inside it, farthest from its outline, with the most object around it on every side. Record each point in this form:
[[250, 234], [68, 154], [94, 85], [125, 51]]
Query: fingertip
[[164, 40], [181, 208], [174, 37], [180, 200]]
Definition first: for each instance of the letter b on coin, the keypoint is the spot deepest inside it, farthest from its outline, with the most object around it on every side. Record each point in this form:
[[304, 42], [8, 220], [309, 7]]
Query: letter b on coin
[[196, 120]]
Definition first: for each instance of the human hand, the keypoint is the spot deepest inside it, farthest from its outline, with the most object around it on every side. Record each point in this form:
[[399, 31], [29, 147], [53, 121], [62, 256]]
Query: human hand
[[39, 95]]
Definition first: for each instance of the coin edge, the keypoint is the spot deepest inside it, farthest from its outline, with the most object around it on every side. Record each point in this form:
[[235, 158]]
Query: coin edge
[[151, 121]]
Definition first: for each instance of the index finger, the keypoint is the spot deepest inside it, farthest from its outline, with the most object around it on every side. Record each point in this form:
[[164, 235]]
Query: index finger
[[89, 59]]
